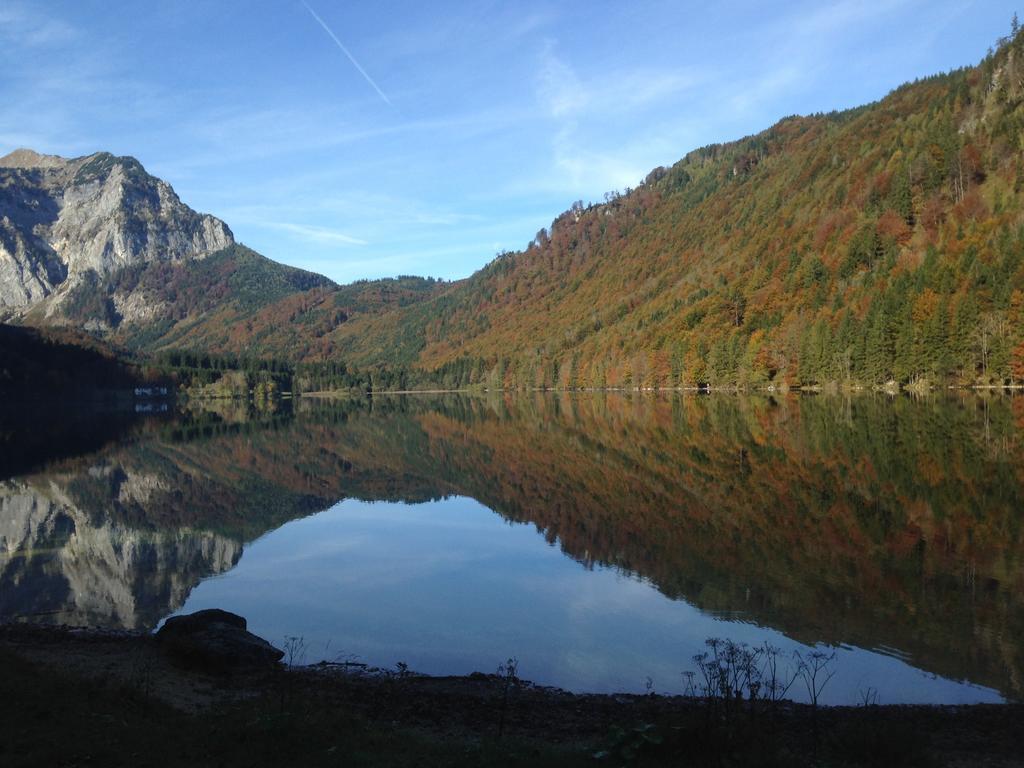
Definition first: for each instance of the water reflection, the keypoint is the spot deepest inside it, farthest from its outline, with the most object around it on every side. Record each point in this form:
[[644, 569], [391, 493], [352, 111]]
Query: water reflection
[[447, 587], [882, 524]]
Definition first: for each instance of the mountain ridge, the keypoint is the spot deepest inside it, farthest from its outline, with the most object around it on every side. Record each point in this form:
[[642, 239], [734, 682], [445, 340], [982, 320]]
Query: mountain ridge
[[880, 244]]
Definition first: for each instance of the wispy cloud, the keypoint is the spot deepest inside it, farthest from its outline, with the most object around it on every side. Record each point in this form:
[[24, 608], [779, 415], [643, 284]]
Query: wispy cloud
[[583, 161], [322, 235], [566, 96], [228, 133], [840, 17], [20, 27], [351, 58], [560, 89], [810, 35]]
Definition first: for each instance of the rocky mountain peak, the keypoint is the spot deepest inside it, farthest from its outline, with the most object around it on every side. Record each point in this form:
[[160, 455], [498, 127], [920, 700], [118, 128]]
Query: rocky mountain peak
[[64, 221], [28, 158]]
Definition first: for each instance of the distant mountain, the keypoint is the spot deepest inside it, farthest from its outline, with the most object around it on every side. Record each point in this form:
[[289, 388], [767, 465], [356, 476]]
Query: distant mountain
[[239, 302], [99, 244]]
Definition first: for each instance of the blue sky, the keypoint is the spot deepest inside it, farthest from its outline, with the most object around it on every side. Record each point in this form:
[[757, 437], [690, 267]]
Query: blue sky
[[375, 139]]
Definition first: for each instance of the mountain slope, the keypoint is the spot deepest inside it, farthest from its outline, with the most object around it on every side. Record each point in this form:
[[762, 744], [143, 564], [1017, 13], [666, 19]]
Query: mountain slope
[[881, 243], [269, 320]]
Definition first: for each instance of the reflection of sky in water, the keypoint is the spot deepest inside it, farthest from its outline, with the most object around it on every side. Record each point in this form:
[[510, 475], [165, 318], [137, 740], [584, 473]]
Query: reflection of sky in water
[[450, 588]]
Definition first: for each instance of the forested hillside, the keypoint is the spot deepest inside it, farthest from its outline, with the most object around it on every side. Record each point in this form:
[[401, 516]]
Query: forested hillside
[[881, 244], [296, 323]]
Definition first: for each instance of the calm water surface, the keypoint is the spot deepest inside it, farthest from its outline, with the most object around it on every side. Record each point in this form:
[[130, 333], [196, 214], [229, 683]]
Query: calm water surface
[[599, 539]]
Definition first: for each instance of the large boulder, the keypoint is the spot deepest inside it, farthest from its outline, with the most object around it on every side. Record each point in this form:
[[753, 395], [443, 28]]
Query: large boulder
[[216, 640]]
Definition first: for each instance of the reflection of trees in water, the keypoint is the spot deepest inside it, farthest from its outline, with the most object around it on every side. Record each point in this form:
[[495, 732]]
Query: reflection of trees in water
[[874, 521], [869, 520]]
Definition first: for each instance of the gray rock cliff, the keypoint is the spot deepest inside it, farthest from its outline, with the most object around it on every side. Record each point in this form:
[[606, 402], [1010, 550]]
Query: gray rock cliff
[[62, 221]]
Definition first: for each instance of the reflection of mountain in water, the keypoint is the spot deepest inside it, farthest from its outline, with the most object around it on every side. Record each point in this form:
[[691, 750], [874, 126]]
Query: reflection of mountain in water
[[874, 522], [120, 538], [60, 563]]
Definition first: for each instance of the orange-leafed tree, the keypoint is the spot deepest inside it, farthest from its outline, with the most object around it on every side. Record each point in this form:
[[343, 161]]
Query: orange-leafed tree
[[1017, 363]]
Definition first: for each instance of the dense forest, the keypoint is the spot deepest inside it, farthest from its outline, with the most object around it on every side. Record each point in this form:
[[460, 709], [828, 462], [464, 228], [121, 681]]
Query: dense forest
[[232, 303], [206, 374], [878, 245]]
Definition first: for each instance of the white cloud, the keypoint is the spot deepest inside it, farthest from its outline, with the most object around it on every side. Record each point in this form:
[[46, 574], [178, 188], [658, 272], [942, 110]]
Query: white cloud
[[841, 16], [568, 97], [583, 162], [559, 88], [305, 194], [322, 235], [20, 27]]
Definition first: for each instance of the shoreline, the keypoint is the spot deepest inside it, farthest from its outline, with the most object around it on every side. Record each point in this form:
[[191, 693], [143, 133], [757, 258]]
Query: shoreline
[[52, 641], [808, 390], [125, 671]]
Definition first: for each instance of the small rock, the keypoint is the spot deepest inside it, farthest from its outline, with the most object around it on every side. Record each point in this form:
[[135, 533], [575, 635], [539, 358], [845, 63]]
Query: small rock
[[200, 619], [216, 640]]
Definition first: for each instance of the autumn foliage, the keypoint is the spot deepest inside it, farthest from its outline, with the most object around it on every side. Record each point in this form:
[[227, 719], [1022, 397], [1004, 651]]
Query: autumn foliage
[[884, 243], [880, 245]]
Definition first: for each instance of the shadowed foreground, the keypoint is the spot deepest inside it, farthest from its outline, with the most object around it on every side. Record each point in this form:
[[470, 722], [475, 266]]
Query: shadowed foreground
[[114, 699]]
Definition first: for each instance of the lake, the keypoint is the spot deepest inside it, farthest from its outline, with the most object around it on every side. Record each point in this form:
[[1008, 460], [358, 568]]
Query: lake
[[597, 538]]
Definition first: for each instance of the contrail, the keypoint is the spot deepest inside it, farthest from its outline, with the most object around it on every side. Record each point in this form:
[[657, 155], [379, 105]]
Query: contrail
[[344, 50]]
